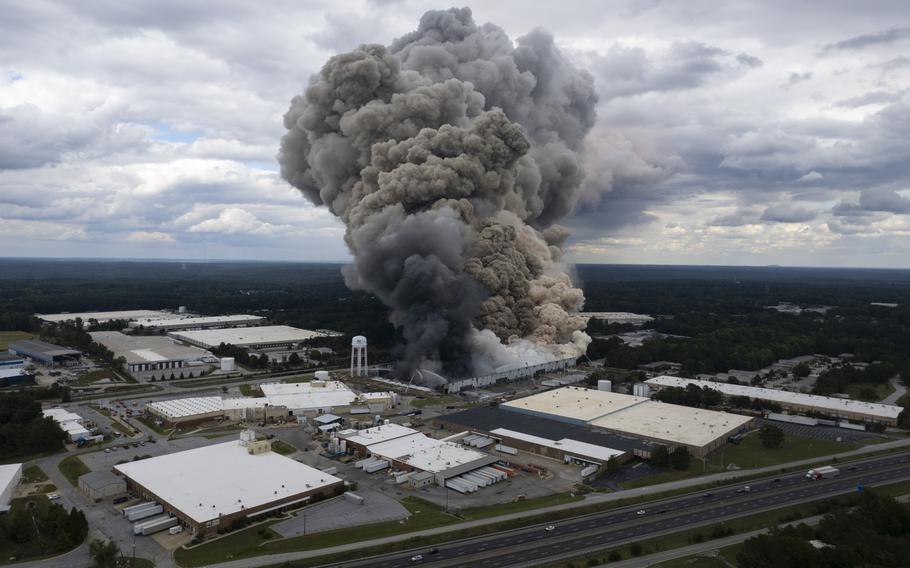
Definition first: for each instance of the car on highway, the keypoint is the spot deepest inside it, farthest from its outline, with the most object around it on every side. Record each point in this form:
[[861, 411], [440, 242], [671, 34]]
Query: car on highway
[[550, 528], [706, 495], [417, 558], [640, 512], [53, 496]]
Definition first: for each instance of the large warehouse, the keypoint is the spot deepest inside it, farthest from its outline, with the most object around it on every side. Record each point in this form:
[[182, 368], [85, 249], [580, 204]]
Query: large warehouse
[[195, 410], [701, 431], [194, 323], [214, 486], [262, 337], [47, 354], [514, 372], [406, 449], [549, 438], [104, 317], [833, 407], [325, 397], [150, 356]]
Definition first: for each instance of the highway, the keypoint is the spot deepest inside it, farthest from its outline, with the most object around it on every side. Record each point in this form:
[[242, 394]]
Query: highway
[[535, 546]]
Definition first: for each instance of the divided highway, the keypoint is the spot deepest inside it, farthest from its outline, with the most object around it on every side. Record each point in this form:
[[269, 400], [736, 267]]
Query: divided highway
[[535, 545]]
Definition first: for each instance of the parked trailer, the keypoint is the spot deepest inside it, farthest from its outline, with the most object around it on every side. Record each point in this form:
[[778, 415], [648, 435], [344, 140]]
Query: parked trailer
[[506, 449], [359, 464], [376, 466], [403, 477], [468, 439], [138, 526], [476, 480], [826, 422], [147, 505], [825, 472], [160, 526], [353, 497], [484, 443], [590, 470], [480, 473], [460, 486], [849, 426], [497, 473], [145, 513]]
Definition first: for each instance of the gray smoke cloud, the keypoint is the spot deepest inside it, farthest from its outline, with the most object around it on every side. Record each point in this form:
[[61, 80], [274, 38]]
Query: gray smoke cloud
[[450, 156]]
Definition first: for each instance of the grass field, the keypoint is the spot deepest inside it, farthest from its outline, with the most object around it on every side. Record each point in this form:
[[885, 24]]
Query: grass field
[[881, 390], [251, 542], [33, 474], [727, 558], [7, 336], [72, 467], [282, 448], [250, 390], [95, 376], [748, 454]]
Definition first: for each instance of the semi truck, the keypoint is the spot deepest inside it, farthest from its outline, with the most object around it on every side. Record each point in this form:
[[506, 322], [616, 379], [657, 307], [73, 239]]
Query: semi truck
[[155, 525], [825, 472]]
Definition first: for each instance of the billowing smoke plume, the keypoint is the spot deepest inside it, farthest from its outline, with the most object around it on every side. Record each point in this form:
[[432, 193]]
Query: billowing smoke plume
[[449, 156]]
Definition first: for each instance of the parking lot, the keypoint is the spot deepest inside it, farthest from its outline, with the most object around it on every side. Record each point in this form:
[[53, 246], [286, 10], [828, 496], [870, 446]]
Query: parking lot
[[339, 513], [824, 432]]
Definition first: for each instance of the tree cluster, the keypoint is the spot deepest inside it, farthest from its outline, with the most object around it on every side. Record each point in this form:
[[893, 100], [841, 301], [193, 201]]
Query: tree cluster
[[51, 528], [875, 532], [23, 428]]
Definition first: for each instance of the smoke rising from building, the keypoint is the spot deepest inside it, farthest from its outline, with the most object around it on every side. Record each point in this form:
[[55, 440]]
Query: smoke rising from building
[[450, 156]]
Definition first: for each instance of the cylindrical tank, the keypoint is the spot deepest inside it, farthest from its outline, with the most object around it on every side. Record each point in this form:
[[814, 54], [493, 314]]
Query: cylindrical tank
[[359, 341], [227, 363]]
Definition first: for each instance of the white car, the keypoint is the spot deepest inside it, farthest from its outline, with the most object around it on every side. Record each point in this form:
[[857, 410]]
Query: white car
[[550, 528], [53, 496], [640, 512], [417, 558]]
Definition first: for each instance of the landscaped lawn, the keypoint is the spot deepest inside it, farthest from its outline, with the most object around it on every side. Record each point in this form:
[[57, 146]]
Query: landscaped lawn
[[881, 390], [250, 542], [33, 474], [748, 454], [72, 468], [282, 448], [7, 336]]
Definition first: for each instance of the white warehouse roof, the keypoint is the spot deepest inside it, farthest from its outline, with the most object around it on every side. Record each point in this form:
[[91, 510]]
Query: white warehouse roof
[[137, 349], [183, 407], [575, 403], [223, 479], [247, 336], [310, 395], [189, 322], [102, 317], [827, 403], [444, 456], [376, 434]]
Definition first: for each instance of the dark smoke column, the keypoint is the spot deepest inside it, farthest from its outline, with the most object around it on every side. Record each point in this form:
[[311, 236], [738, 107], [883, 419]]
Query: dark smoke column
[[449, 156]]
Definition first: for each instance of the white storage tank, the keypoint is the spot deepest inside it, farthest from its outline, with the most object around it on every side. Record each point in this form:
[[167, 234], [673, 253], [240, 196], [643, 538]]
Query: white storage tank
[[227, 363], [606, 386], [641, 389]]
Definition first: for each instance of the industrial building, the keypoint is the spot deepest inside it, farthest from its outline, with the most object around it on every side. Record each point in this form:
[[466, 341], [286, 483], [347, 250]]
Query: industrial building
[[99, 485], [510, 373], [71, 423], [247, 481], [10, 475], [263, 337], [699, 430], [321, 396], [15, 377], [104, 317], [195, 323], [794, 402], [149, 356], [618, 317], [195, 410], [408, 450], [10, 361], [557, 440], [47, 354]]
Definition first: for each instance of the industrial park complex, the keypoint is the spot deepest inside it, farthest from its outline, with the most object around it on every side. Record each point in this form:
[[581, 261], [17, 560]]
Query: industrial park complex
[[351, 434]]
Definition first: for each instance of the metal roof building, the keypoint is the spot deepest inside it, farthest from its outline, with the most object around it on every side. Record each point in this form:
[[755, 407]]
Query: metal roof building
[[103, 317], [192, 323], [45, 353], [247, 337], [150, 355], [97, 485], [214, 486], [310, 396], [10, 475], [855, 410]]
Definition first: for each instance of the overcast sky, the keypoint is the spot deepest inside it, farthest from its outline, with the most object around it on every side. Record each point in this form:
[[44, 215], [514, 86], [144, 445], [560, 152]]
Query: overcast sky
[[729, 132]]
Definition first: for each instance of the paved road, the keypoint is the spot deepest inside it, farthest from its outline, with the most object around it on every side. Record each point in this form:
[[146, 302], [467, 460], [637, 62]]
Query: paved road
[[899, 391], [717, 496], [535, 546]]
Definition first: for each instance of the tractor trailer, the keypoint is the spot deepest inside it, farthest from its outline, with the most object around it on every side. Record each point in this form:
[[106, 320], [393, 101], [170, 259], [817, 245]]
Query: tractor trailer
[[825, 472]]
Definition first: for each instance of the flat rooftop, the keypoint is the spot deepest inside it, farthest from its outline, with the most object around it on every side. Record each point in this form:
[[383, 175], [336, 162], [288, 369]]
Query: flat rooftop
[[247, 336], [43, 347], [311, 395], [444, 456], [565, 444], [828, 403], [102, 317], [223, 479], [194, 321], [183, 407], [575, 403], [376, 434], [147, 348], [403, 446], [490, 418], [673, 423]]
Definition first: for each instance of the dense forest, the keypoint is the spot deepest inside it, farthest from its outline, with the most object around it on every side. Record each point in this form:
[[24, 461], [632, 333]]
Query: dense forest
[[23, 429], [716, 316]]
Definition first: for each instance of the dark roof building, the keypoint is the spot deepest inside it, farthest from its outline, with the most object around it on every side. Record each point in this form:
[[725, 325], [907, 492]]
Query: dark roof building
[[45, 353]]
